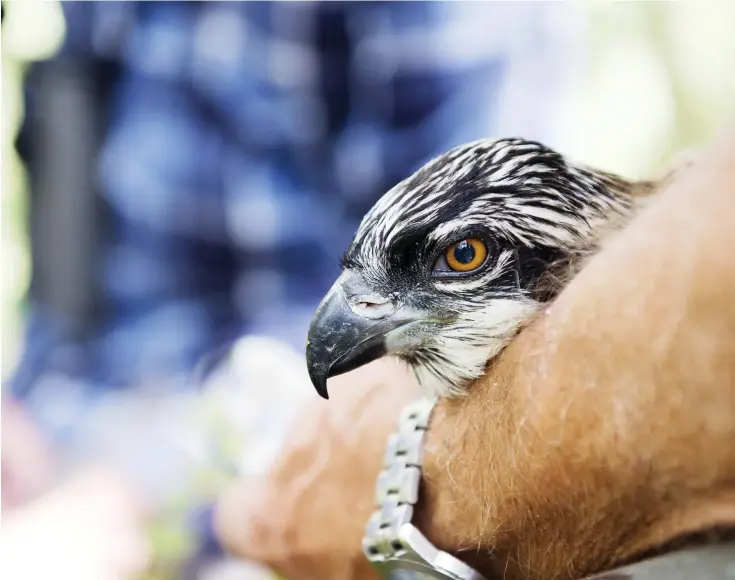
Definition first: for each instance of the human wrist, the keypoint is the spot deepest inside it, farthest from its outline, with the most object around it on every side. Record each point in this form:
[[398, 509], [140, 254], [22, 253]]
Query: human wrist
[[457, 511]]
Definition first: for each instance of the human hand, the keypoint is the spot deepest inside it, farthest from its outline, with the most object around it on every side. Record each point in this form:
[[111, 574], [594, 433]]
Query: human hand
[[89, 528], [306, 518]]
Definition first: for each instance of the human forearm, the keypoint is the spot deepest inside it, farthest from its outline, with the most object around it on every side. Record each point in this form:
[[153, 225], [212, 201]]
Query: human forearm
[[607, 426]]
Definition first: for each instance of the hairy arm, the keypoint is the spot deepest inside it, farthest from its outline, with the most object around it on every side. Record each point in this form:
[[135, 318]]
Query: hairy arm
[[603, 430], [607, 427]]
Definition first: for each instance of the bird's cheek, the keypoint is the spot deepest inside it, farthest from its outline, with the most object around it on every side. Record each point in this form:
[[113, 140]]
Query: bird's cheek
[[407, 338]]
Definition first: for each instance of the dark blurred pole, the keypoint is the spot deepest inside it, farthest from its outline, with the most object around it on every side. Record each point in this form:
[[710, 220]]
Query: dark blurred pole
[[63, 137]]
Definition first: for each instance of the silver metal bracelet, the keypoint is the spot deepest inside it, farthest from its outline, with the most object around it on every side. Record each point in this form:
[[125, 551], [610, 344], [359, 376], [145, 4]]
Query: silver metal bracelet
[[393, 545], [397, 488]]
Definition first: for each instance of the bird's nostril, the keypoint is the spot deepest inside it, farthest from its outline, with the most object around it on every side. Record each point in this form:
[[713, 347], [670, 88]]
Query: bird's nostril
[[372, 306]]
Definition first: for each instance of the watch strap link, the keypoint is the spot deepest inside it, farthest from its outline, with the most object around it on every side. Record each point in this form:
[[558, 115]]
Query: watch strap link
[[397, 488]]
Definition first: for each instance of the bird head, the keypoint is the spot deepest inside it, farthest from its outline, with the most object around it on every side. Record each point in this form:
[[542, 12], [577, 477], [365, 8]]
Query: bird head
[[449, 264]]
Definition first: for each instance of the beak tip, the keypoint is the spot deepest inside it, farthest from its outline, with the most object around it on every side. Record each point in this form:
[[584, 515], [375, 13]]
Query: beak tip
[[318, 375], [320, 384], [321, 389]]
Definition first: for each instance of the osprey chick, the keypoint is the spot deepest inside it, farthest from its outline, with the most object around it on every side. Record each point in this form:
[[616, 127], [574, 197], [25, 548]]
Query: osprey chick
[[453, 261]]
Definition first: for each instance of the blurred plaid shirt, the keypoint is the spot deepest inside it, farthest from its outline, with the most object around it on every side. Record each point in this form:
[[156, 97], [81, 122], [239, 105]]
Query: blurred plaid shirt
[[246, 142]]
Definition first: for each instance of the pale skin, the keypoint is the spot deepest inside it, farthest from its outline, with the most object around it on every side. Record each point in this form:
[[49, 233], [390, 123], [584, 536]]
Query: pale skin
[[604, 430]]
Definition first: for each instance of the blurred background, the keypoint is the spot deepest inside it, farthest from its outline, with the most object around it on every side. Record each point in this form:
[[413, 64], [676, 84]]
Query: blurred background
[[179, 181]]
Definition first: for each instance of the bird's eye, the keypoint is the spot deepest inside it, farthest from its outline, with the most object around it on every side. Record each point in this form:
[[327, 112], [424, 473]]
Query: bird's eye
[[463, 256]]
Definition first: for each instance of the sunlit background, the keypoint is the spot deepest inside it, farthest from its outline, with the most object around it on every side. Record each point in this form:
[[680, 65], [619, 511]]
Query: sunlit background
[[651, 79]]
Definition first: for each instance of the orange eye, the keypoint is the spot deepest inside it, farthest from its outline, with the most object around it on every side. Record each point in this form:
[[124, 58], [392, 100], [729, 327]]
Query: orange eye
[[466, 255]]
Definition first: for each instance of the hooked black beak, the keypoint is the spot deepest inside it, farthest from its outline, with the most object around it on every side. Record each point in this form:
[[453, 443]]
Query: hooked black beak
[[349, 330]]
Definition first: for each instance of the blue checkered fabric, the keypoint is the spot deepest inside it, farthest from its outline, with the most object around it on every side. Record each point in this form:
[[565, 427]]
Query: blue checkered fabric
[[246, 142]]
